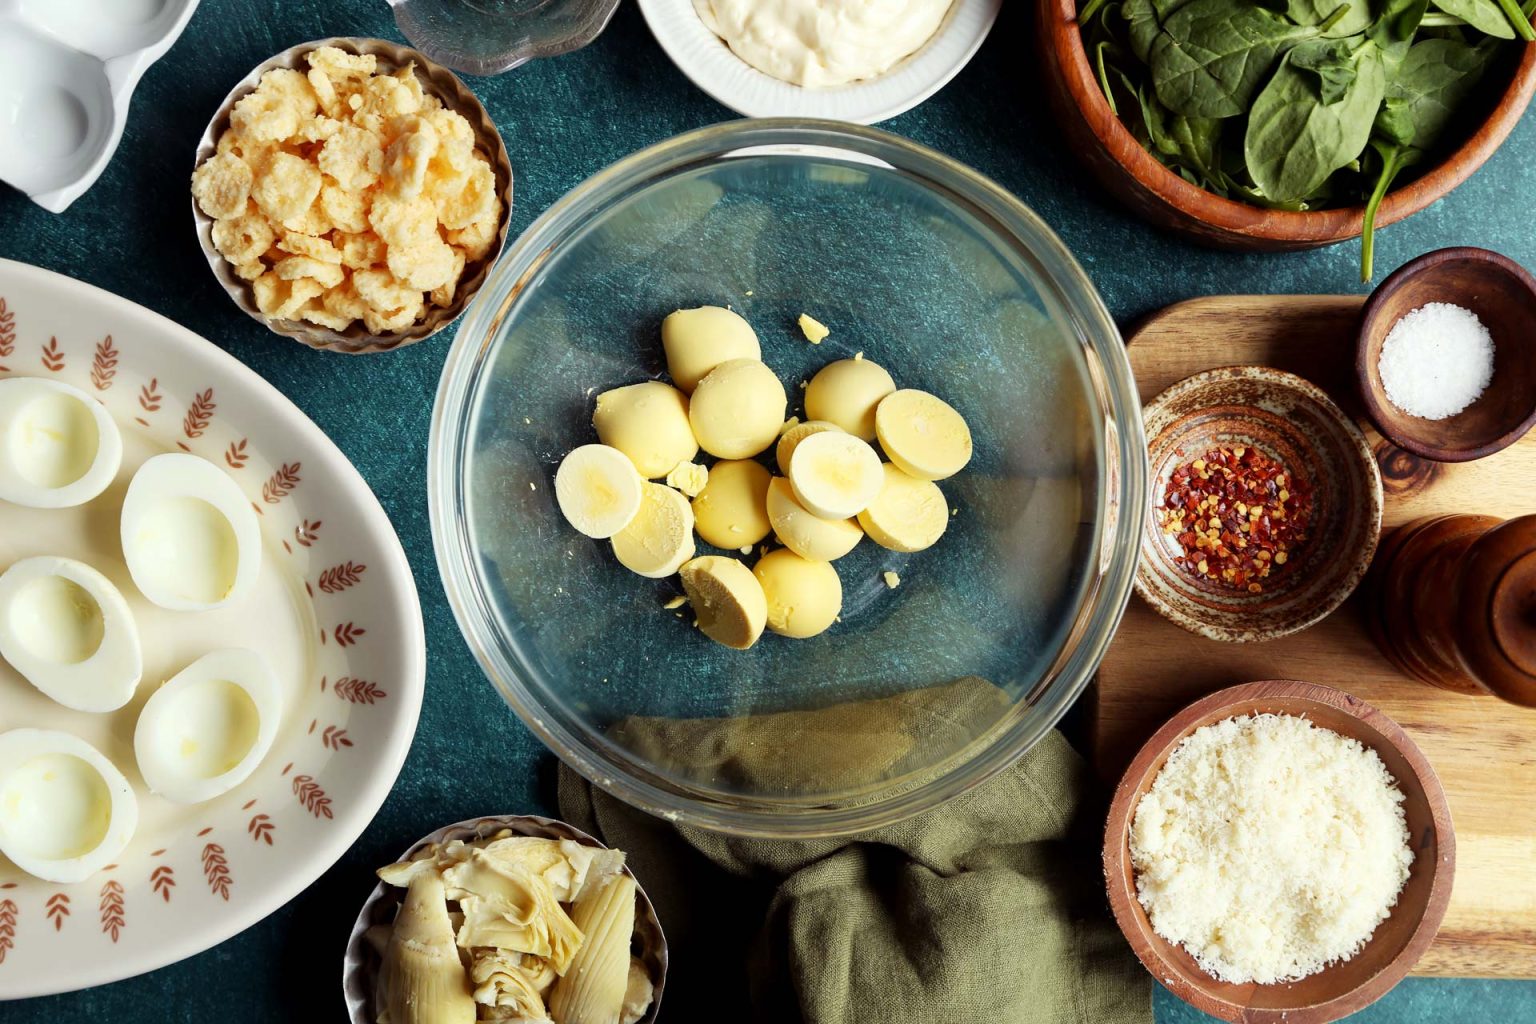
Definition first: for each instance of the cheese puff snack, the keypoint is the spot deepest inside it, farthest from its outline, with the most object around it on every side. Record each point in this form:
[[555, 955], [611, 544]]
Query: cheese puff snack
[[343, 194]]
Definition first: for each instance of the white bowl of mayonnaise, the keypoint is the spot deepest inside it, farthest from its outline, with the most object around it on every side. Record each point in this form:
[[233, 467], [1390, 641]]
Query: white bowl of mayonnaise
[[848, 60]]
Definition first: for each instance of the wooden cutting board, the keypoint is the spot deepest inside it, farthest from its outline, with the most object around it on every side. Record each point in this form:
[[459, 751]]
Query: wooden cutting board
[[1483, 749]]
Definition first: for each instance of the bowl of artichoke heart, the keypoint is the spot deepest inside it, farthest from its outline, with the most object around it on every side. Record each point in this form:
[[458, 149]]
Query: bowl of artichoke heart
[[1286, 124]]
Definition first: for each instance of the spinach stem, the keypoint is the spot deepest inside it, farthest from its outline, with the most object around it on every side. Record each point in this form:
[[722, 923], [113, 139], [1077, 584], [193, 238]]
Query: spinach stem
[[1436, 19], [1333, 19], [1389, 168], [1109, 94], [1088, 10], [1518, 20]]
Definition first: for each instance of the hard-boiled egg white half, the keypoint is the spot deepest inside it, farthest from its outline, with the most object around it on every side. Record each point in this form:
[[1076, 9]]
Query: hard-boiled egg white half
[[204, 731], [68, 631], [58, 446], [65, 811], [190, 536]]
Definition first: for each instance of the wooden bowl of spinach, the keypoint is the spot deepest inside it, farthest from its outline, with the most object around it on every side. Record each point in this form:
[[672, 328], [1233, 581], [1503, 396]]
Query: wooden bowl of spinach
[[1285, 124]]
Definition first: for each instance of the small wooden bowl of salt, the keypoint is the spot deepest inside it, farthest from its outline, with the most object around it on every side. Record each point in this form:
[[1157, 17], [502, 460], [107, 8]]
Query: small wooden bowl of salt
[[1446, 357]]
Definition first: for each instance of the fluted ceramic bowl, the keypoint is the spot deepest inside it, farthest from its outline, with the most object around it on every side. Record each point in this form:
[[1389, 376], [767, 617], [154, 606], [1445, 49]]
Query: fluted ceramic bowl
[[360, 967], [440, 82]]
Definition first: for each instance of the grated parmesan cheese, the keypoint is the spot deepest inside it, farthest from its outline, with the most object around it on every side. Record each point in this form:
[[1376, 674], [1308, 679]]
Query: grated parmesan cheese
[[1270, 848]]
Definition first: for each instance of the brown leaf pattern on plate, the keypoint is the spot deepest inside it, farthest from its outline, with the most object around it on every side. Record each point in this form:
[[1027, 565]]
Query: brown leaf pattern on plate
[[7, 907], [104, 364], [57, 909], [346, 634], [199, 414], [261, 829], [281, 483], [340, 577], [236, 454], [7, 333], [216, 870], [150, 397], [53, 356], [334, 738], [358, 691], [308, 533], [311, 796], [113, 917], [162, 880]]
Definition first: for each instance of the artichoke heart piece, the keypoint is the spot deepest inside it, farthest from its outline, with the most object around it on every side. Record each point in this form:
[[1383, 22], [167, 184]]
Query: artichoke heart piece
[[592, 991], [422, 980], [507, 907], [567, 866], [638, 993], [434, 858], [594, 866], [512, 980], [562, 865]]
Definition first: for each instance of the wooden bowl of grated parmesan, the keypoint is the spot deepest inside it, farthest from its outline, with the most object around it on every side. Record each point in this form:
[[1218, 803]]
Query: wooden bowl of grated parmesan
[[1290, 835]]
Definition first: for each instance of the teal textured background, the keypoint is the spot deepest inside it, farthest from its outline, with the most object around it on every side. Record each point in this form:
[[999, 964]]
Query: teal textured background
[[564, 119]]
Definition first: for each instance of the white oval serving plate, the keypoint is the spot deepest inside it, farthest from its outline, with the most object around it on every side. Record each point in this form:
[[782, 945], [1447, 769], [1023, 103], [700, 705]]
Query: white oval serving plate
[[709, 62], [67, 74], [334, 611]]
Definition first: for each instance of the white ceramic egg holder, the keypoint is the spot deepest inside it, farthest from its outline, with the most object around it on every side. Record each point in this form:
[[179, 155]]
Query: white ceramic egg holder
[[67, 72]]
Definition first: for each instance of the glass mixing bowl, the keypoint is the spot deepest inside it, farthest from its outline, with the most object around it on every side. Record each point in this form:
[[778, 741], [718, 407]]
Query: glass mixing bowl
[[925, 267]]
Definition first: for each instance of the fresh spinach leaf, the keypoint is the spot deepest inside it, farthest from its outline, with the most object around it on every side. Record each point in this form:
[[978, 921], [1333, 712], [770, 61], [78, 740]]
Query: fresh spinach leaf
[[1333, 63], [1484, 15], [1211, 56], [1189, 145], [1144, 19], [1142, 26], [1439, 19], [1251, 195], [1295, 141], [1154, 118], [1433, 79], [1397, 21], [1199, 142]]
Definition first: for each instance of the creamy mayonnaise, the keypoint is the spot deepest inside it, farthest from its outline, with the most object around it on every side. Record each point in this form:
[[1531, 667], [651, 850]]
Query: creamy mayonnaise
[[821, 43]]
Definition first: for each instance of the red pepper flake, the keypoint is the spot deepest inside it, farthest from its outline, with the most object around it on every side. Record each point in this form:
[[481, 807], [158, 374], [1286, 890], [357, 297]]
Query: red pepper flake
[[1237, 514]]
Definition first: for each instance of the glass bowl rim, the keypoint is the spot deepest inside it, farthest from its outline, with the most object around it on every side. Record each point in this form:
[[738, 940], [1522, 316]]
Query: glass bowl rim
[[1112, 570]]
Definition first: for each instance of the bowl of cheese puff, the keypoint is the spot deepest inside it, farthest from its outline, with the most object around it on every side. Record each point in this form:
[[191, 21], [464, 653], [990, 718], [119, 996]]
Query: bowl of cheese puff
[[352, 195]]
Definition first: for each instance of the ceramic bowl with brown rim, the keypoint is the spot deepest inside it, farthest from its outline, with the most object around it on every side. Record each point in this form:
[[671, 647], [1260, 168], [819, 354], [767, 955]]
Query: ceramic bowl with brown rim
[[1502, 294], [456, 96], [1295, 429], [360, 968], [1397, 943], [1159, 195]]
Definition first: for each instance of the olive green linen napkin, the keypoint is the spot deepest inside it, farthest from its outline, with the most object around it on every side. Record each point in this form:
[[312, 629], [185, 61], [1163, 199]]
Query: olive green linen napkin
[[987, 909]]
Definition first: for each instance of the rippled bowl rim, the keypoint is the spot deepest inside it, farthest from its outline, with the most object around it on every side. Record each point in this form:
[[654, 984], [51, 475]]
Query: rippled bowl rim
[[1105, 595]]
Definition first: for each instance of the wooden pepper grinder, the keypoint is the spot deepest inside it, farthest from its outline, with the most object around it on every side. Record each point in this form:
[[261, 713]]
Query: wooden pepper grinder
[[1453, 604]]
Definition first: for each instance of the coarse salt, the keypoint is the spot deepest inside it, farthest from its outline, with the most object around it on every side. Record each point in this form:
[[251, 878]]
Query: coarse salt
[[1436, 361]]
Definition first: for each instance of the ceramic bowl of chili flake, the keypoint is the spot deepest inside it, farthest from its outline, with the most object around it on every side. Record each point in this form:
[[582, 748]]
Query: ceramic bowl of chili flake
[[1265, 505]]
